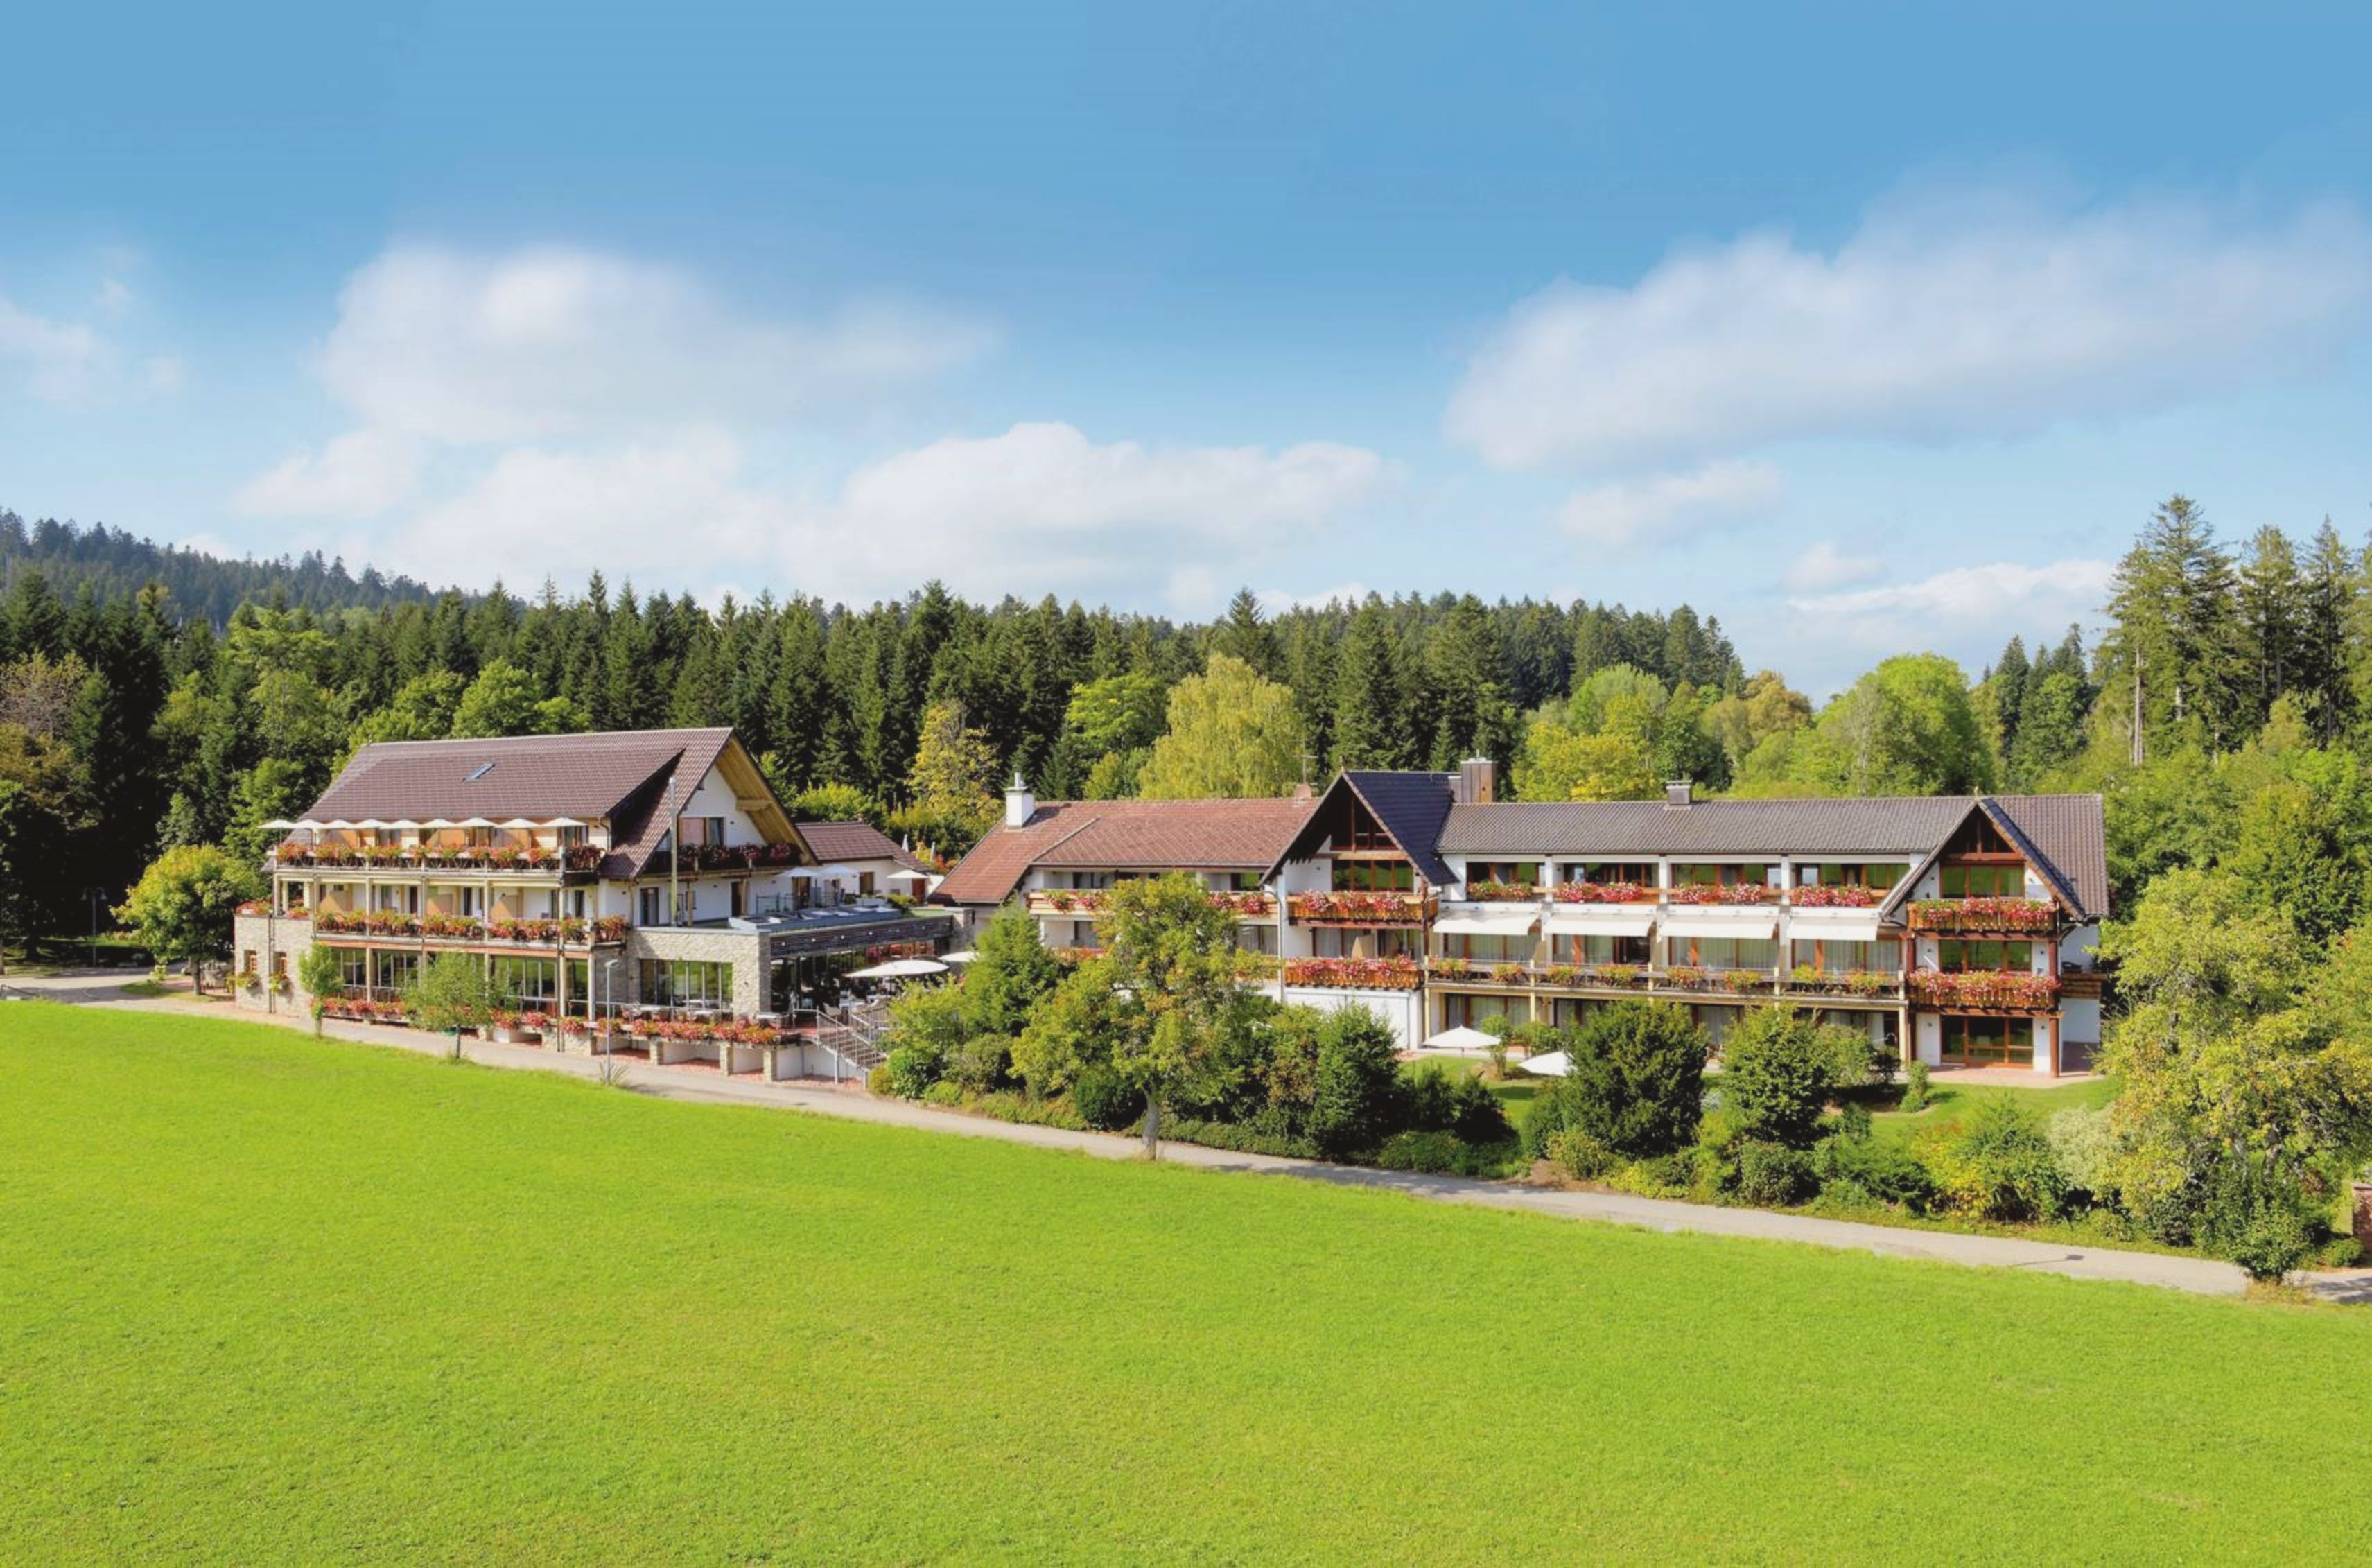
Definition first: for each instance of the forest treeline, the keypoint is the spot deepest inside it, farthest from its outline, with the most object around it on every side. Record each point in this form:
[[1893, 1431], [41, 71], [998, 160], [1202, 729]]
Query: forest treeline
[[150, 697]]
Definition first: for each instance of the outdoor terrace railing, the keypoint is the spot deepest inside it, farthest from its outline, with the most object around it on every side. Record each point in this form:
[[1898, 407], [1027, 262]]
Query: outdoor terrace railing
[[1359, 909], [1984, 914], [1354, 974], [472, 858], [1985, 991], [1075, 901], [1868, 985], [732, 857], [567, 932]]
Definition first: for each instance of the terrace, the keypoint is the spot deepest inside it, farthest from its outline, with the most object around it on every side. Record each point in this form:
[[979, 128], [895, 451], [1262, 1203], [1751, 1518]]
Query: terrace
[[1074, 902], [1857, 985]]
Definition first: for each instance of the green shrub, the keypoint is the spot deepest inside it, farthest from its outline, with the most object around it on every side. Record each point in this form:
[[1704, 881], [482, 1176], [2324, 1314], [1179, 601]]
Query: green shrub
[[1854, 1123], [878, 1081], [1241, 1139], [2086, 1147], [1998, 1166], [1580, 1157], [1105, 1100], [1846, 1193], [912, 1069], [1774, 1175], [2339, 1252], [1865, 1170], [1429, 1107], [1636, 1086], [1777, 1069], [1359, 1096], [2261, 1224], [1914, 1087], [947, 1091], [984, 1063], [1664, 1175], [1475, 1113], [1434, 1153]]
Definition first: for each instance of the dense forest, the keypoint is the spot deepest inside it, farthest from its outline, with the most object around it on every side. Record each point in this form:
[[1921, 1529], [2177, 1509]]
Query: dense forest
[[152, 697]]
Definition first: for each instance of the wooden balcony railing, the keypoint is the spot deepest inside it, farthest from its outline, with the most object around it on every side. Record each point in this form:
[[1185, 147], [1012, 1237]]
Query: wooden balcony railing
[[1866, 985], [2021, 916], [391, 924], [1359, 909], [474, 858], [1354, 974], [1087, 902], [1985, 991]]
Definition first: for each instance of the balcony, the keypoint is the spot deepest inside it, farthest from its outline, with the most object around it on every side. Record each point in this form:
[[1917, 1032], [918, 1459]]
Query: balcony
[[1503, 893], [391, 925], [1078, 903], [1700, 893], [1354, 974], [1985, 991], [1838, 897], [539, 860], [1360, 909], [729, 857], [1673, 980], [1603, 893], [1986, 916]]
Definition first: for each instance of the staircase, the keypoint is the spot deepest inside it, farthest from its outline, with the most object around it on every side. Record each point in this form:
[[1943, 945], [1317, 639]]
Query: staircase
[[855, 1034]]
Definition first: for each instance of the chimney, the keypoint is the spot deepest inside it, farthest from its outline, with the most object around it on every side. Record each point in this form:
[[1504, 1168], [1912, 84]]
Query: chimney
[[1302, 792], [1019, 803], [1676, 795], [1476, 781]]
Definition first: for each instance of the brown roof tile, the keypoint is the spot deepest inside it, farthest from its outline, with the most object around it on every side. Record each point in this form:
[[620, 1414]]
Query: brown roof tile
[[1127, 835], [856, 841]]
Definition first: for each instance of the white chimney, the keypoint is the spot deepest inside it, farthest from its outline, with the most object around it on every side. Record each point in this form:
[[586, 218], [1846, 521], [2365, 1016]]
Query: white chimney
[[1676, 795], [1019, 803]]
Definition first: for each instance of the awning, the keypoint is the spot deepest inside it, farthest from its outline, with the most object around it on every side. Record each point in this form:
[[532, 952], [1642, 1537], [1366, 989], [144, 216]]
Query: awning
[[1600, 923], [1745, 928], [1487, 925], [1859, 929]]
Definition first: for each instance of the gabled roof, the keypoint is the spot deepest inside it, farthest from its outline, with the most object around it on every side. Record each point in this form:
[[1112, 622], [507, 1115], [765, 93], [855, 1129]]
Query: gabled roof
[[856, 841], [619, 774], [2065, 836], [1412, 808], [1125, 835]]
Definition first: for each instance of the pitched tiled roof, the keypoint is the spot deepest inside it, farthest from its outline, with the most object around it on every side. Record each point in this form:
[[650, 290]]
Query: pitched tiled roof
[[856, 841], [1411, 807], [1125, 835], [2068, 830]]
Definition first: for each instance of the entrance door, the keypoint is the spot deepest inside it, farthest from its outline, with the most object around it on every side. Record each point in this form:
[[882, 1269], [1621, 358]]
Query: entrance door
[[1975, 1041]]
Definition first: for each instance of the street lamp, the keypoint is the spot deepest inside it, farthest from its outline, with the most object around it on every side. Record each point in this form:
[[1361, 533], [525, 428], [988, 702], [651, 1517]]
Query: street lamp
[[94, 897]]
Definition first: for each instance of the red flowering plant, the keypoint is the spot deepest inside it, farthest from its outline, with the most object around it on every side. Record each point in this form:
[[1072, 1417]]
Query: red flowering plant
[[1244, 903], [1449, 968], [1357, 908], [1603, 893], [584, 857], [2008, 992], [1982, 914], [535, 1019], [1839, 897], [1354, 974], [1719, 893], [1500, 892], [610, 928]]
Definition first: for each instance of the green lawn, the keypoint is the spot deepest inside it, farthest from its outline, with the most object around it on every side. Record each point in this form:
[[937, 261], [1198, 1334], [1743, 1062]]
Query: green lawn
[[1949, 1104], [268, 1300]]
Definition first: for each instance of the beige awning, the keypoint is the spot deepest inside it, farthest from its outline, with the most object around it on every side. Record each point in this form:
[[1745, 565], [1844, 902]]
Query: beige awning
[[1601, 923], [1745, 928], [1863, 928], [1487, 925]]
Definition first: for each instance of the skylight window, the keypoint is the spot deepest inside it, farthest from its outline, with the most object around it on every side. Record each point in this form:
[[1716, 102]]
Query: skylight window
[[480, 772]]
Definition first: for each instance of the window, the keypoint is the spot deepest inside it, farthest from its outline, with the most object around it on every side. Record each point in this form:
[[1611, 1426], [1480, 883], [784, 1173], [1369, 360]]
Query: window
[[650, 905], [1984, 881], [1330, 942], [1374, 877], [1876, 875], [1844, 957], [353, 968], [1975, 1041], [1955, 956], [572, 837], [525, 982], [1636, 872], [685, 982], [1723, 952], [1520, 873], [1488, 949], [1245, 881], [480, 772], [1719, 876], [699, 830], [1599, 951], [1471, 1012]]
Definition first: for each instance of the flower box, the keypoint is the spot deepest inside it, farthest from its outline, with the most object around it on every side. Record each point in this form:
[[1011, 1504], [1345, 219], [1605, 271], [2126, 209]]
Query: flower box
[[1354, 974], [1500, 892], [1985, 991], [1603, 893], [1719, 893], [1358, 908], [1983, 914], [1833, 898]]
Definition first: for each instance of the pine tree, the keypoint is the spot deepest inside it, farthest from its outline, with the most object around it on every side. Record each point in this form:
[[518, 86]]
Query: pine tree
[[2271, 599], [1370, 694], [1246, 634]]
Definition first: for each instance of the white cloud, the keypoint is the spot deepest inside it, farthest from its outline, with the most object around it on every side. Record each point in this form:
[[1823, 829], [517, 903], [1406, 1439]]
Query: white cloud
[[60, 362], [1825, 566], [360, 475], [1665, 507], [1039, 508], [1984, 317], [545, 342], [114, 298], [1965, 612]]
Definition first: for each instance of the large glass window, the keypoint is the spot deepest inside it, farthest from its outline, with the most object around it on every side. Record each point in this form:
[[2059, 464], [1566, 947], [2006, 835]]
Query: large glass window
[[1488, 949], [1955, 956], [1374, 877], [1520, 873], [1459, 1011], [525, 982], [1720, 875], [1724, 952], [1876, 875], [1636, 872], [1983, 882], [1970, 1041], [684, 983], [1844, 957]]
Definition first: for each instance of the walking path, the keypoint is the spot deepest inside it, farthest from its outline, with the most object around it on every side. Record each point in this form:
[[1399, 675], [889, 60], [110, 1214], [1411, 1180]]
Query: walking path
[[2201, 1275]]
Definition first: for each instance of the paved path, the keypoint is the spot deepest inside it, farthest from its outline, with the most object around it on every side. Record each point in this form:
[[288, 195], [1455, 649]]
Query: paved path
[[2202, 1275]]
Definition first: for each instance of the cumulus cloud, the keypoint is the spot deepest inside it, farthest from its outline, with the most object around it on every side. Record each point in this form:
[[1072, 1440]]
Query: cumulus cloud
[[1966, 612], [1038, 508], [1824, 566], [537, 343], [56, 362], [360, 475], [1665, 507], [1985, 317]]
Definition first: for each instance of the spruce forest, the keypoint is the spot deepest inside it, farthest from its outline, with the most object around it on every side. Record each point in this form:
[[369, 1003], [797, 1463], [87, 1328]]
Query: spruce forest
[[151, 698]]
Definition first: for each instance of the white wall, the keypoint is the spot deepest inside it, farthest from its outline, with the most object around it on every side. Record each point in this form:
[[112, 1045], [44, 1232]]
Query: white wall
[[1403, 1010]]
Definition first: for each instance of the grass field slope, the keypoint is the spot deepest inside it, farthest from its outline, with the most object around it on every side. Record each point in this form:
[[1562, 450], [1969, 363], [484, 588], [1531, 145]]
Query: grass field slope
[[268, 1300]]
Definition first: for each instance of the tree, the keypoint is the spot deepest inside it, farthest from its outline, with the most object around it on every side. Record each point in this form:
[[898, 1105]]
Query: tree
[[2270, 600], [1778, 1071], [1637, 1079], [185, 904], [322, 974], [1246, 635], [451, 994], [1558, 763], [30, 837], [2175, 626], [1013, 972], [1231, 734], [1357, 1098], [1907, 728], [1371, 692], [954, 775], [1170, 969], [507, 700]]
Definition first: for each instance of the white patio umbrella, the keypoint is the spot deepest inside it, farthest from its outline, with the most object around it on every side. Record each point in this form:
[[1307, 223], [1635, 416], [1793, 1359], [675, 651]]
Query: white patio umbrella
[[1550, 1064], [804, 874], [838, 873], [901, 968], [464, 822], [280, 825], [564, 822], [1459, 1038], [960, 956], [310, 826], [517, 822], [439, 822], [909, 877]]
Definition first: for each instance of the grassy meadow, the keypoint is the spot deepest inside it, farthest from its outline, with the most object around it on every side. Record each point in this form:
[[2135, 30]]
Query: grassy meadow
[[263, 1299]]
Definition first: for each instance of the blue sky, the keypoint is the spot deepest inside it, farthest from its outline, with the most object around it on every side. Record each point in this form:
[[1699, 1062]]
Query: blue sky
[[1863, 332]]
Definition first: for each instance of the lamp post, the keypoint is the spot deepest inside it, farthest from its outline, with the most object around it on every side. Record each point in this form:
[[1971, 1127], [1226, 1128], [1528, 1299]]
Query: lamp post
[[610, 979], [94, 897]]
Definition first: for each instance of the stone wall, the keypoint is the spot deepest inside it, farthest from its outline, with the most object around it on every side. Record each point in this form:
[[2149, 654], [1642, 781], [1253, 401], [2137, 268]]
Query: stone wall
[[276, 945], [745, 950]]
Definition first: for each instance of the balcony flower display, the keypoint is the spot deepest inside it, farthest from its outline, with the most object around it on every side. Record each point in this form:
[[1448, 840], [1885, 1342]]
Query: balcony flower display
[[583, 857], [1833, 898], [610, 928], [1685, 976], [1245, 903], [1982, 914], [1256, 966], [2007, 992], [1624, 975], [1719, 893], [1500, 892], [1561, 974], [1354, 974], [1450, 969], [1358, 908], [1745, 980], [1508, 974], [1603, 893]]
